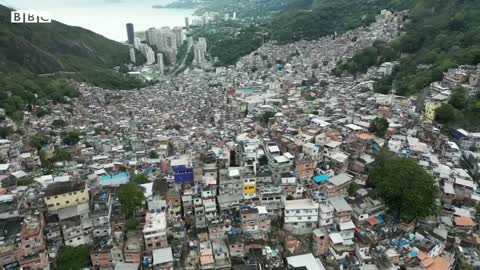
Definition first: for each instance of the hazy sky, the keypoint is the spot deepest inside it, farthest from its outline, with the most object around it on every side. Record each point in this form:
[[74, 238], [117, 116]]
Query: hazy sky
[[106, 17]]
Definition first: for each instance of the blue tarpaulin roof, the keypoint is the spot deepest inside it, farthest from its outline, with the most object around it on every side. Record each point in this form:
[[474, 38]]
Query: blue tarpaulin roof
[[321, 178], [380, 219], [148, 170]]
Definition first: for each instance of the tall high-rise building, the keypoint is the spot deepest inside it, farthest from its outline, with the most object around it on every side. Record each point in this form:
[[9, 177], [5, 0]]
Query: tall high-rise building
[[132, 55], [148, 53], [163, 38], [199, 51], [151, 36], [187, 22], [203, 42], [130, 33], [198, 55], [180, 35], [160, 62], [234, 15], [171, 55], [136, 43]]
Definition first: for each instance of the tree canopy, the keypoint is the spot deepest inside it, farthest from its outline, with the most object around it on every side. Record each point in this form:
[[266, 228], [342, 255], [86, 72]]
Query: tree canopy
[[38, 140], [153, 155], [265, 117], [130, 197], [440, 35], [379, 126], [407, 189], [71, 138], [140, 179], [73, 258]]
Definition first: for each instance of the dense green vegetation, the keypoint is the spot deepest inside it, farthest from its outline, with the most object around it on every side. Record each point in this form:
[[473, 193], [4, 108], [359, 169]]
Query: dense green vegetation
[[248, 8], [59, 52], [46, 48], [440, 35], [320, 18], [38, 140], [406, 188], [182, 50], [18, 91], [379, 53], [229, 50], [73, 258], [71, 138], [292, 21], [462, 110], [140, 179], [264, 118], [379, 126], [5, 132], [130, 197], [153, 155]]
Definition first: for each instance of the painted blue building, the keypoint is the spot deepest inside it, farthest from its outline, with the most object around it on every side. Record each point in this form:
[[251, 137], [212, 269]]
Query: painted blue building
[[182, 174]]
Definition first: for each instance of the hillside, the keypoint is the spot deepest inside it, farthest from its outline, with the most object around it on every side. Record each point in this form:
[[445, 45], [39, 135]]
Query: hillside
[[62, 51], [292, 21], [440, 35], [46, 48], [312, 19]]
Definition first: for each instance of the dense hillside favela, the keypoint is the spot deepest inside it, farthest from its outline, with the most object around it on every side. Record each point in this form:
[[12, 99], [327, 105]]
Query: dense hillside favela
[[267, 134]]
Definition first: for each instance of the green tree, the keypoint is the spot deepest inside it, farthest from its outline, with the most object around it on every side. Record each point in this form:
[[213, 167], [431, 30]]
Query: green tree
[[123, 69], [71, 138], [38, 140], [140, 179], [445, 114], [61, 154], [353, 188], [101, 131], [58, 123], [45, 162], [5, 132], [73, 258], [132, 224], [379, 126], [323, 84], [130, 197], [407, 189], [25, 181], [263, 160], [153, 155], [466, 266], [458, 99], [265, 117]]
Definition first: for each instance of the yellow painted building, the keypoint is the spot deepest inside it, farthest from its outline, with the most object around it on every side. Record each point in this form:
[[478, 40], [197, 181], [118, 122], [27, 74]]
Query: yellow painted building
[[249, 186], [429, 111], [65, 194]]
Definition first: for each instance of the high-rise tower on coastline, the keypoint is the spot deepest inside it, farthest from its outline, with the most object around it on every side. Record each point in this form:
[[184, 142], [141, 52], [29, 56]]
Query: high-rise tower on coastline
[[130, 33]]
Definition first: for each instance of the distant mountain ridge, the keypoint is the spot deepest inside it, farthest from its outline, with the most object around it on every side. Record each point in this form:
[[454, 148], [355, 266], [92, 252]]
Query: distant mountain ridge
[[46, 48]]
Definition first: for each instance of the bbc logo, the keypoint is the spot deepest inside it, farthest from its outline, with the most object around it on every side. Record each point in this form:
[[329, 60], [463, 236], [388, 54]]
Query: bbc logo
[[30, 17]]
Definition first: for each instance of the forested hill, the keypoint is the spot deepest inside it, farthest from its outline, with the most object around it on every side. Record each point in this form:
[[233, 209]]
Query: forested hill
[[28, 50], [312, 19], [441, 35], [295, 20], [46, 48]]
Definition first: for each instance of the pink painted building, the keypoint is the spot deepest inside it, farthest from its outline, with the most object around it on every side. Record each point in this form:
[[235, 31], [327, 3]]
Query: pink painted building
[[32, 249]]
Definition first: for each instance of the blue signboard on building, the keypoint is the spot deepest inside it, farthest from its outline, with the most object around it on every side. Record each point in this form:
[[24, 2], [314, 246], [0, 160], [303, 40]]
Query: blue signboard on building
[[182, 174]]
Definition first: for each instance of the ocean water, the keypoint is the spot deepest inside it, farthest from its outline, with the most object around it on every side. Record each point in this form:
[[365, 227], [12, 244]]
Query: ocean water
[[107, 17]]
